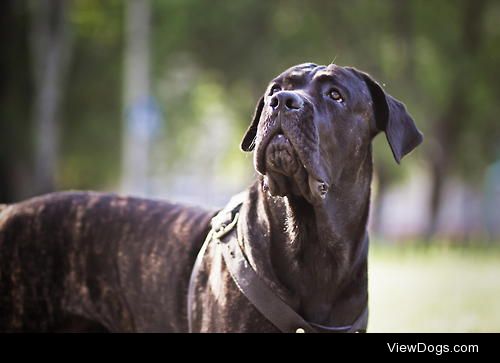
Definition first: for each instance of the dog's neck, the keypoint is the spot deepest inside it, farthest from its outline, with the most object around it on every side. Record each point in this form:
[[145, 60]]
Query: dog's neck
[[314, 256]]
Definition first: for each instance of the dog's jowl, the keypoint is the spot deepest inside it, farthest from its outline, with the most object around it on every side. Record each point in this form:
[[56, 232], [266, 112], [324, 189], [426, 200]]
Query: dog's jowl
[[288, 254]]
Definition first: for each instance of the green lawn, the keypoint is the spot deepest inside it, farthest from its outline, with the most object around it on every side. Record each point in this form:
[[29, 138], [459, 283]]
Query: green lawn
[[434, 290]]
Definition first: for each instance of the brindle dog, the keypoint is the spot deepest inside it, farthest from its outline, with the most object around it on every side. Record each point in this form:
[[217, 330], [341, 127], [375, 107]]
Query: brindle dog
[[101, 262]]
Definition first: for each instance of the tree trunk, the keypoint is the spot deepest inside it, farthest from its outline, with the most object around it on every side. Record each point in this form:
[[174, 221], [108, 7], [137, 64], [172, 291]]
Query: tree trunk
[[438, 175], [137, 101], [15, 97], [445, 133], [50, 54]]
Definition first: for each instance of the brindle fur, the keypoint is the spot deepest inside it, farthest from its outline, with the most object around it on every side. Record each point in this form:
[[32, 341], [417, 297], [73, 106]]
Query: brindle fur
[[91, 261]]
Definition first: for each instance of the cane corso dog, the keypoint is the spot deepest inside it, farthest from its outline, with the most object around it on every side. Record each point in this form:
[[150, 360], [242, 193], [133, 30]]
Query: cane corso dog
[[85, 261]]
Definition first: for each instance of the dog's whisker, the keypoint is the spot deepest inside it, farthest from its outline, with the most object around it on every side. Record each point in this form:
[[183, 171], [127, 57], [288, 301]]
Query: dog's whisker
[[334, 59]]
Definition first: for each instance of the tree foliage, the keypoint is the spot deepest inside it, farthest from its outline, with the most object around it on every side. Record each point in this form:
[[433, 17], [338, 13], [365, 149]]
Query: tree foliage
[[440, 58]]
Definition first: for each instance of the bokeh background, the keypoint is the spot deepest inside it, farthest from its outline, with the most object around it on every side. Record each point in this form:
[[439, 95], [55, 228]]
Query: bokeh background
[[152, 97]]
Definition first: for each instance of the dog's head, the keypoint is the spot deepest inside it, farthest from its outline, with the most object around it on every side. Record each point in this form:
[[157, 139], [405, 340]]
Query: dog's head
[[314, 125]]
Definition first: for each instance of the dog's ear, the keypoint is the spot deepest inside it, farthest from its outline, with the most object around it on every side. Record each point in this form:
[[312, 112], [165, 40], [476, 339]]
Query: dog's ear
[[248, 142], [392, 117]]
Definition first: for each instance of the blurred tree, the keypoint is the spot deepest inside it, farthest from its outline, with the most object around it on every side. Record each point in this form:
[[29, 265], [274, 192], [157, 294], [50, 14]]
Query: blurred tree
[[91, 118], [15, 97], [462, 136], [138, 105], [440, 58], [50, 43]]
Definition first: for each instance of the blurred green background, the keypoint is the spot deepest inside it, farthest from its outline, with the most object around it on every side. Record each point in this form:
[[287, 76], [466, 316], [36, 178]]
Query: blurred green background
[[434, 289], [152, 98]]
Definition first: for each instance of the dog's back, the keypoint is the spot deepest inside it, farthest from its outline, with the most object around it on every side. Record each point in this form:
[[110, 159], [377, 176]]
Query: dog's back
[[84, 260]]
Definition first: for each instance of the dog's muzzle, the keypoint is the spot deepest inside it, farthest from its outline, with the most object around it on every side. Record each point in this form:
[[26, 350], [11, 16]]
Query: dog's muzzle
[[287, 149], [280, 156]]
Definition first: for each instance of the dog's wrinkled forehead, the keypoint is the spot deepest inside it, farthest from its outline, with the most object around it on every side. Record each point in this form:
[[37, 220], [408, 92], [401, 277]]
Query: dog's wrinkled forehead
[[301, 75], [298, 75]]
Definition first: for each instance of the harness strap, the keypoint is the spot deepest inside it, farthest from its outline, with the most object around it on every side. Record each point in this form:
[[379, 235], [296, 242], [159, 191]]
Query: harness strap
[[257, 291], [252, 286], [194, 273], [221, 224], [359, 325]]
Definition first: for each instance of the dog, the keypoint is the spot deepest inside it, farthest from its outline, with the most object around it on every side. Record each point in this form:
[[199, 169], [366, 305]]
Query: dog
[[289, 254]]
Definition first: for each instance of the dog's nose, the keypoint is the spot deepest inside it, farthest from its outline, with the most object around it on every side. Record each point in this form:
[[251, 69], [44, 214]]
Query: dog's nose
[[285, 101]]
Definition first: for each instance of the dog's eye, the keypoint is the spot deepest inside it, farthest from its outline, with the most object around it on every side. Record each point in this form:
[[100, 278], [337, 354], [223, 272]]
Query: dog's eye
[[274, 89], [335, 95]]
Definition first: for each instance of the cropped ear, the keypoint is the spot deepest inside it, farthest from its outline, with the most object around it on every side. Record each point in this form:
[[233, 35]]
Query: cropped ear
[[248, 142], [392, 117]]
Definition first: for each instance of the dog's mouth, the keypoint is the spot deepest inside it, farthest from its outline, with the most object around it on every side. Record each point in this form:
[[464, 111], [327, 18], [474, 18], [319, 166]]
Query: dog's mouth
[[280, 157], [286, 173]]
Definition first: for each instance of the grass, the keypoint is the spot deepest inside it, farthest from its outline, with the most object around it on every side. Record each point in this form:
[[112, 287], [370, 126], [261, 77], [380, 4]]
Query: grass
[[437, 289]]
